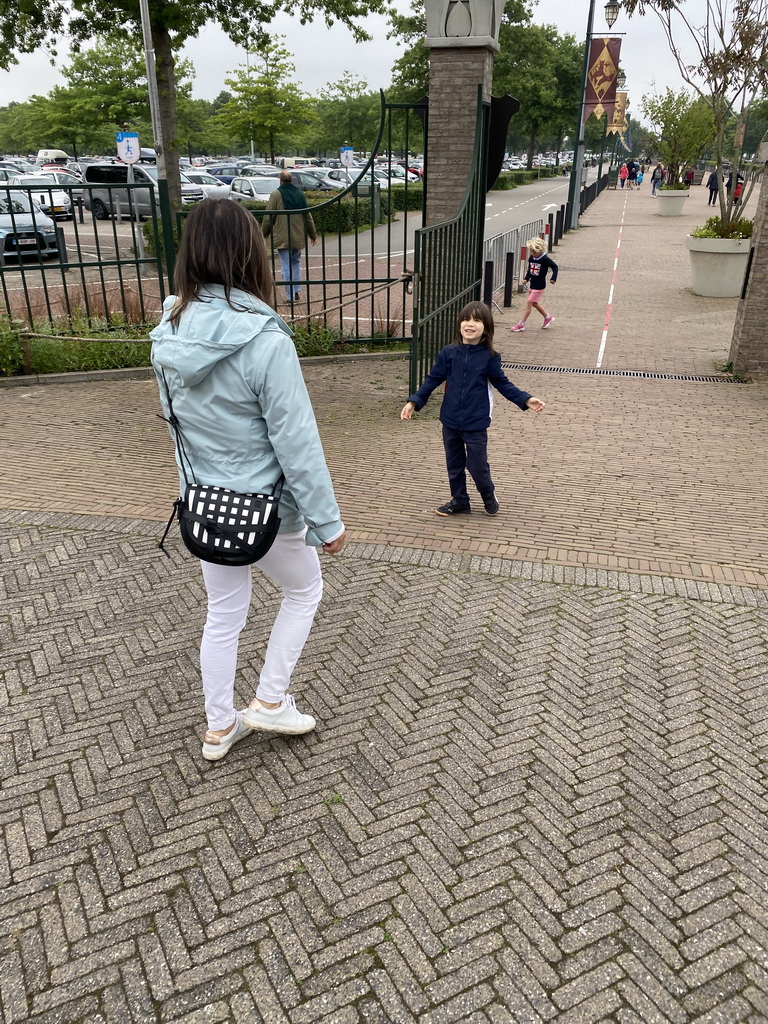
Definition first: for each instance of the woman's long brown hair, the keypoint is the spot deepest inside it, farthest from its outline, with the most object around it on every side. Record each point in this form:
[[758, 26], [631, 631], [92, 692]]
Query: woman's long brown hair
[[477, 311], [221, 243]]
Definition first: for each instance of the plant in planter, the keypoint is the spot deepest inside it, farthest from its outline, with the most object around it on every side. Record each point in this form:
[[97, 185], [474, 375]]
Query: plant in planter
[[719, 253], [672, 198], [682, 127]]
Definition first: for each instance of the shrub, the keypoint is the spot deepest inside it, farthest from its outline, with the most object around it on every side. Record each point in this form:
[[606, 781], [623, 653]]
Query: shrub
[[717, 228], [313, 338], [411, 198], [11, 357], [677, 186]]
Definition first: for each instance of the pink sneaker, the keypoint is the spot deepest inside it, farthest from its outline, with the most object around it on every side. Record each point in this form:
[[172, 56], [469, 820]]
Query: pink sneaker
[[548, 319], [519, 326]]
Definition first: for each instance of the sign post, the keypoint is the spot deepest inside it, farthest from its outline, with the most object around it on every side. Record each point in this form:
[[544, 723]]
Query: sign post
[[129, 152]]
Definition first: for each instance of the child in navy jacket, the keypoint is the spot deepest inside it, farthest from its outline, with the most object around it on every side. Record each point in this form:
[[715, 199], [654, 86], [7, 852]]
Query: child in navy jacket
[[538, 265], [469, 366]]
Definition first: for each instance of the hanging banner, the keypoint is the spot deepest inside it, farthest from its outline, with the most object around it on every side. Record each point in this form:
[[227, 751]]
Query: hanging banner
[[601, 78], [618, 122]]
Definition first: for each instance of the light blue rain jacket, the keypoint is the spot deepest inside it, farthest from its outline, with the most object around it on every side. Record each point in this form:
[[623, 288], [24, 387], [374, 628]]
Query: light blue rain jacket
[[243, 408]]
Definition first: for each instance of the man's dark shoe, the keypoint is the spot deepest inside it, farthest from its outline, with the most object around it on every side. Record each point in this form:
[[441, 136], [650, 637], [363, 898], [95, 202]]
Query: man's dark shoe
[[452, 508], [491, 505]]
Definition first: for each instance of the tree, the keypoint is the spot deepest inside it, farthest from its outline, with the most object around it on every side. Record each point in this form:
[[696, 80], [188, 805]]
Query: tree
[[681, 128], [36, 24], [347, 112], [266, 105], [542, 69], [730, 69]]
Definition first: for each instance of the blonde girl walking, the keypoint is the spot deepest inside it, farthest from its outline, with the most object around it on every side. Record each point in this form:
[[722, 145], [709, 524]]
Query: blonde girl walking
[[538, 266]]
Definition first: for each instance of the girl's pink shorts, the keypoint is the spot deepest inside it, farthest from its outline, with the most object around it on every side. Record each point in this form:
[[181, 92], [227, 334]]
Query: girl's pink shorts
[[535, 295]]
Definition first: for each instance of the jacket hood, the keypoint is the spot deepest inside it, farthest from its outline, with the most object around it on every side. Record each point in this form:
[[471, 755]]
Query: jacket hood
[[209, 330]]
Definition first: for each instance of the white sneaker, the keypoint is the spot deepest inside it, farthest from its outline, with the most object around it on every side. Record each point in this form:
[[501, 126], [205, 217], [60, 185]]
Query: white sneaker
[[215, 751], [286, 719]]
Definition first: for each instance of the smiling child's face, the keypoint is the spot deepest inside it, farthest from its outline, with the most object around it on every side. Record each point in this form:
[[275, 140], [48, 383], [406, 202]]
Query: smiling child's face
[[472, 331]]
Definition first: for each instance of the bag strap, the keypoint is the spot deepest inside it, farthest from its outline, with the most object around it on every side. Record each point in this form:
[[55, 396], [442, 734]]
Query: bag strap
[[174, 423]]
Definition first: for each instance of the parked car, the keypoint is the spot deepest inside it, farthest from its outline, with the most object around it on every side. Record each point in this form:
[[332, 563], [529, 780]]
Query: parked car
[[255, 188], [227, 172], [46, 194], [342, 176], [24, 229], [106, 197], [260, 170], [311, 179], [72, 181], [214, 188]]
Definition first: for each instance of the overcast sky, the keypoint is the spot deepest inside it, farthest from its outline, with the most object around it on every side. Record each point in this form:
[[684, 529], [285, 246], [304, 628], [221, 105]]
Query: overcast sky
[[321, 55]]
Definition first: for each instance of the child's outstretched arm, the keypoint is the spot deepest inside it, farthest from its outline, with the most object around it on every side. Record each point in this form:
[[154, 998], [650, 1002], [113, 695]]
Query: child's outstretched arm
[[505, 387], [434, 378]]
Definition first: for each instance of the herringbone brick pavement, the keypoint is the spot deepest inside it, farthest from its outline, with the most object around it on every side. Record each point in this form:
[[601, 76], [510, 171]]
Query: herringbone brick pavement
[[525, 801]]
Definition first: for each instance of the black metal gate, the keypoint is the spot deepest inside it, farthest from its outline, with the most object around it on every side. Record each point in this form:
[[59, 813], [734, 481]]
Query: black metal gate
[[448, 262]]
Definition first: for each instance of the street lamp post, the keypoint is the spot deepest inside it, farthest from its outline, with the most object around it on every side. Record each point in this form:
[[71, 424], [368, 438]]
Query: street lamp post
[[574, 186]]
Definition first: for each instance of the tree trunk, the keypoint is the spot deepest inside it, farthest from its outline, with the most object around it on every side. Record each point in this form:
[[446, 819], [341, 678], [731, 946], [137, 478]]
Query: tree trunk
[[168, 147], [531, 146]]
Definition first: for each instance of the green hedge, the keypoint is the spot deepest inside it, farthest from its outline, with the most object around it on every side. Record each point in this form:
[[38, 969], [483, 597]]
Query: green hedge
[[412, 199], [511, 179]]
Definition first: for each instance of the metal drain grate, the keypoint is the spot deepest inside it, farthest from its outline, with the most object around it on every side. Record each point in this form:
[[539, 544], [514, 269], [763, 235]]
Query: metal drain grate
[[625, 373]]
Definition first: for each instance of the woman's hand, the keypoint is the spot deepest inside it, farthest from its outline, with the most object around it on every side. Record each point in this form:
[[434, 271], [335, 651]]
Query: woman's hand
[[406, 413], [536, 404], [333, 547]]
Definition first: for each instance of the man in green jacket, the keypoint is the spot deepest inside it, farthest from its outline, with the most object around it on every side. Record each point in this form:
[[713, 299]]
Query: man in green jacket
[[289, 232]]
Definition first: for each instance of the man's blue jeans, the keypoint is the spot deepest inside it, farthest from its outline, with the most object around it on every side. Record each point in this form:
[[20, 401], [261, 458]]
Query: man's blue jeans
[[467, 450], [290, 261]]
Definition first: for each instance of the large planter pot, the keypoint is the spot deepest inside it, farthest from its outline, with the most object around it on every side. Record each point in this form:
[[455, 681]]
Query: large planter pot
[[718, 265], [671, 203]]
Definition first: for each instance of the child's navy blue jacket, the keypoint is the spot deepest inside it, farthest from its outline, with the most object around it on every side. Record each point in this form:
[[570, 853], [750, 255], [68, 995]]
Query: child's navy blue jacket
[[468, 370]]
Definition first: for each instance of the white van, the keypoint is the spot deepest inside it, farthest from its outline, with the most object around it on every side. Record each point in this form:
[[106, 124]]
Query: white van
[[296, 161], [52, 156]]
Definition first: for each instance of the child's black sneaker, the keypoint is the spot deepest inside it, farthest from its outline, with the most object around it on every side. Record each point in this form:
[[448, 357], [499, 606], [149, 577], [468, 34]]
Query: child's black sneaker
[[452, 508], [491, 505]]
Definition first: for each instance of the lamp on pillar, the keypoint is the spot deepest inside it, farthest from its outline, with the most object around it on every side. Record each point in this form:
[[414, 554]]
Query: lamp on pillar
[[611, 14], [621, 80]]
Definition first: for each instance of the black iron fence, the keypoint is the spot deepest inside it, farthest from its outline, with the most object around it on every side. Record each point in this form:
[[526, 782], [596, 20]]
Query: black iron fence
[[58, 266], [97, 266], [448, 263]]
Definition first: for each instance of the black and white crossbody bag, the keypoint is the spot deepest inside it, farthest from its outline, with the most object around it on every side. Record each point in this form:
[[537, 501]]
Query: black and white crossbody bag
[[217, 524]]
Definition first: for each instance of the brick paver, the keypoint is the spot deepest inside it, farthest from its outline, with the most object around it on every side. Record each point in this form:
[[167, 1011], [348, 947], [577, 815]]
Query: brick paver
[[537, 791]]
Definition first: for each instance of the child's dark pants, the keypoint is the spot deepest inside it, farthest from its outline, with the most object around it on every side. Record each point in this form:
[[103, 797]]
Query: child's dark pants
[[467, 450]]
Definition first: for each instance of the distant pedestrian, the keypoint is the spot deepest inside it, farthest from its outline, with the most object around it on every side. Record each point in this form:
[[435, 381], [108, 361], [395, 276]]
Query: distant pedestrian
[[658, 174], [713, 188], [737, 189], [289, 232], [538, 266], [639, 178], [468, 367], [623, 174], [632, 168], [689, 177]]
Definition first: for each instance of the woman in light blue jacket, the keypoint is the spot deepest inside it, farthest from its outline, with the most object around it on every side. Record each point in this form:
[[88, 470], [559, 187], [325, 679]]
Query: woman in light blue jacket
[[245, 419]]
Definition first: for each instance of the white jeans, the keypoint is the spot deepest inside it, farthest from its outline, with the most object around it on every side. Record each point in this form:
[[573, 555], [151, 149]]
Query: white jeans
[[296, 569]]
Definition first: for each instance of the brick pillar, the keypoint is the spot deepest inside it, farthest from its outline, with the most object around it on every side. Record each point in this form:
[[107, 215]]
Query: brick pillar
[[749, 346], [454, 75]]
